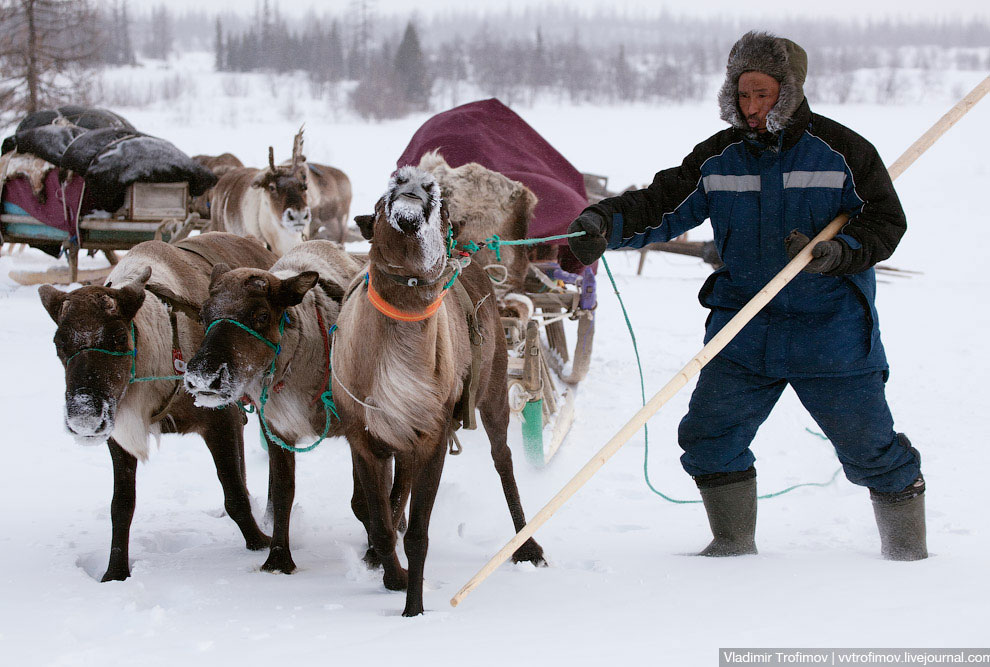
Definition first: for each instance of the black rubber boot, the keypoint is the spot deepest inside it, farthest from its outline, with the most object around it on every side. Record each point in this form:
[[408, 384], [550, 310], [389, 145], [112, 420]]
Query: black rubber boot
[[901, 522], [731, 508]]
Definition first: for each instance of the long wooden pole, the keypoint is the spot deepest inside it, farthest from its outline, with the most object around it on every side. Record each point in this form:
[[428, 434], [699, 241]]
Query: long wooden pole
[[713, 347]]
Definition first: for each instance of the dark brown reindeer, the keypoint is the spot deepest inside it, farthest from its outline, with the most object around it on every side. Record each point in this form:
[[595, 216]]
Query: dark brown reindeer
[[402, 366], [248, 339], [268, 203], [109, 336], [219, 165]]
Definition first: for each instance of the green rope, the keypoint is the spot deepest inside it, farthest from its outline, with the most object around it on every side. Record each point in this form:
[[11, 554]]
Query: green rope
[[329, 408], [496, 243], [646, 437], [274, 346]]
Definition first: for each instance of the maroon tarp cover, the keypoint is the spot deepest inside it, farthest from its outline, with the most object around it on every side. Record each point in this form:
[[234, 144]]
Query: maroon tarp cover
[[493, 135], [61, 204]]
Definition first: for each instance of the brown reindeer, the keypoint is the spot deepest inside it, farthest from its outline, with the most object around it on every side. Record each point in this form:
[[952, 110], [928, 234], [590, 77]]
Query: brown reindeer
[[329, 196], [248, 339], [328, 193], [109, 337], [402, 367], [219, 165], [268, 203], [470, 193]]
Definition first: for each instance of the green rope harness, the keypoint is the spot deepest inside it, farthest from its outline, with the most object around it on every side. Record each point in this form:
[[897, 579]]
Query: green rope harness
[[646, 436], [274, 346], [496, 243], [329, 408], [132, 353]]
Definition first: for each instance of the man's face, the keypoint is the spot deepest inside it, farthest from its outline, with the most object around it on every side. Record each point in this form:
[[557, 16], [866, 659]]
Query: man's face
[[758, 92]]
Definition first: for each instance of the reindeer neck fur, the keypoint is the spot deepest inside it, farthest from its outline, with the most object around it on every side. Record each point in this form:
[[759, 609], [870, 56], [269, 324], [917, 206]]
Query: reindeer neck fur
[[141, 400], [411, 371], [300, 369], [258, 209]]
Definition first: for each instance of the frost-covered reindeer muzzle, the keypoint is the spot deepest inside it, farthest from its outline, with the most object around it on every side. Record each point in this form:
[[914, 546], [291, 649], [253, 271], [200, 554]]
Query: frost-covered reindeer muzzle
[[412, 200], [210, 387], [88, 418]]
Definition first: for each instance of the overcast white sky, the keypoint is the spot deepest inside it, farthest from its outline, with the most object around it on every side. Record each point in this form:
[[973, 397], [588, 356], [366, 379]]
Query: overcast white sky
[[831, 8]]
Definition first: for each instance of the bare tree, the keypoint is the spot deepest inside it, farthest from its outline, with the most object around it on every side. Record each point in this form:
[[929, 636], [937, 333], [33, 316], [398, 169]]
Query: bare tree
[[47, 48]]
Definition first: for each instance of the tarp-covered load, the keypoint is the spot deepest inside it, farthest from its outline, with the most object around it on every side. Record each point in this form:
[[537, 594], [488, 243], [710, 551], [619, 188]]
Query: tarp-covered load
[[106, 151], [494, 136]]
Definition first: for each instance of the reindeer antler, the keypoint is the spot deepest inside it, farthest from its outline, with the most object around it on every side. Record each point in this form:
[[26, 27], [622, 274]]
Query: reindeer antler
[[297, 146], [271, 158]]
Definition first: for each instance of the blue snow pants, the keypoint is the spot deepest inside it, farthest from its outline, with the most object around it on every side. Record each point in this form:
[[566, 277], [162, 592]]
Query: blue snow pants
[[730, 402]]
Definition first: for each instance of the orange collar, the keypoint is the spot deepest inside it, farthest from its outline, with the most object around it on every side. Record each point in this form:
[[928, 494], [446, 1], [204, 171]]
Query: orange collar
[[401, 315]]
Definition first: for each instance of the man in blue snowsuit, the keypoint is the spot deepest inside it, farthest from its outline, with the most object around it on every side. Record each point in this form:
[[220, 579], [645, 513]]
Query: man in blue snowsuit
[[769, 183]]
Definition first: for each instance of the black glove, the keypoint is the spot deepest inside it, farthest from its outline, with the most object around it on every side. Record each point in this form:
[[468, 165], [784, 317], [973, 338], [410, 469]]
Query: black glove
[[826, 255], [591, 246]]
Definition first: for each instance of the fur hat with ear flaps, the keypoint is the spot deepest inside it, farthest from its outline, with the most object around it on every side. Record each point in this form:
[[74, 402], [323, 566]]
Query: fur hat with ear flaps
[[778, 57]]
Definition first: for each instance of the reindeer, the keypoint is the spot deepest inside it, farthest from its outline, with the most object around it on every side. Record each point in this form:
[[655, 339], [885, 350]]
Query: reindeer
[[402, 361], [329, 196], [111, 337], [269, 339], [268, 203], [468, 193], [219, 165]]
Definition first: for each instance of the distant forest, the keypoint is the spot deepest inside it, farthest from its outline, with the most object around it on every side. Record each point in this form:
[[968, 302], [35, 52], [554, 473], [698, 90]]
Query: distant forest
[[387, 65], [402, 64]]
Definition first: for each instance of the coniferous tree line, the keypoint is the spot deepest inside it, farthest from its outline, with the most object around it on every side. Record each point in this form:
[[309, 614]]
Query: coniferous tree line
[[389, 66], [601, 58]]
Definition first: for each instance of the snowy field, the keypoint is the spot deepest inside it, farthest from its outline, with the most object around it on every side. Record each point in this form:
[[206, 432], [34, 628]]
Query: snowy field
[[620, 586]]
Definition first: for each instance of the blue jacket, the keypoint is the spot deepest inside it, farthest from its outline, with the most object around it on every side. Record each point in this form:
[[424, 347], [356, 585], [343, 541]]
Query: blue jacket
[[756, 190]]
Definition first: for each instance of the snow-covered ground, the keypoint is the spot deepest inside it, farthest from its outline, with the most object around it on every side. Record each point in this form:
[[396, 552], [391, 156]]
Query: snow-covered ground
[[621, 586]]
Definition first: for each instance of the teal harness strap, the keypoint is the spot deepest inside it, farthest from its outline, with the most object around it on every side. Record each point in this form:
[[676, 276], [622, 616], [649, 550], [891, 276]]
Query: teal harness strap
[[132, 353], [329, 408], [275, 346]]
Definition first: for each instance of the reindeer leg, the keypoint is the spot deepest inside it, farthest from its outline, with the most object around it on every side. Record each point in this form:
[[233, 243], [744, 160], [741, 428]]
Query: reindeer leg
[[359, 505], [417, 539], [282, 480], [495, 416], [121, 511], [372, 472], [224, 436], [399, 497]]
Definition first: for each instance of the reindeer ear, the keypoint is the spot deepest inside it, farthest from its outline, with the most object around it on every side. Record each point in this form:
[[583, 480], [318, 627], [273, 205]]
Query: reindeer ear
[[52, 299], [292, 290], [218, 270], [366, 224], [261, 179], [445, 219], [131, 295]]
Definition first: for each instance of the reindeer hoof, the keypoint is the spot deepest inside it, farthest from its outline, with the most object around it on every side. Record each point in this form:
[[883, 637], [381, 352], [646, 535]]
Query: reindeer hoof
[[279, 560], [412, 610], [115, 574], [371, 559], [530, 552], [397, 581]]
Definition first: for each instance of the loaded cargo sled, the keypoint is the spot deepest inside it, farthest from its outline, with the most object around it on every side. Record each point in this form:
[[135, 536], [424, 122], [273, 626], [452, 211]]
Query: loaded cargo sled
[[78, 178]]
